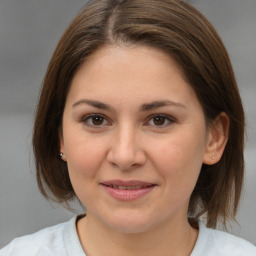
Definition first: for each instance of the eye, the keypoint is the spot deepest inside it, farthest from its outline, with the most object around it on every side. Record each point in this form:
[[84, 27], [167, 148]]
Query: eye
[[160, 120], [95, 120]]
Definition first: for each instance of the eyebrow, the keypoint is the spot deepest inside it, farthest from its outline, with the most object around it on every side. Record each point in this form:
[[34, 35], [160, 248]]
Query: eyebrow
[[157, 104], [144, 107], [93, 103]]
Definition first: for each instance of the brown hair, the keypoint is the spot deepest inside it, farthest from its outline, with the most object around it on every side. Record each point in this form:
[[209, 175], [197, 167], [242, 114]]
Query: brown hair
[[179, 30]]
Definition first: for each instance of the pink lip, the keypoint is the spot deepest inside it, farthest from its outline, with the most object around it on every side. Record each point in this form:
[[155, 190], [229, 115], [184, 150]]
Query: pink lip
[[126, 183], [127, 194]]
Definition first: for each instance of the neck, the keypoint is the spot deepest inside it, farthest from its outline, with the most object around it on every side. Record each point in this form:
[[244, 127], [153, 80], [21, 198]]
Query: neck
[[177, 238]]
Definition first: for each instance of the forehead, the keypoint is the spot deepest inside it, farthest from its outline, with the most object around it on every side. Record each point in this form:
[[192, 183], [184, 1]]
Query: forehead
[[121, 71], [136, 55]]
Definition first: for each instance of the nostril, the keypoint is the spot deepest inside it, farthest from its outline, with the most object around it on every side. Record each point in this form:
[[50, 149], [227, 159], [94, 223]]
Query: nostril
[[123, 159], [125, 153]]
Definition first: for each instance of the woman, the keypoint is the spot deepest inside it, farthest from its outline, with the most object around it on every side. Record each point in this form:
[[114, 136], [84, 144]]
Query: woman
[[141, 106]]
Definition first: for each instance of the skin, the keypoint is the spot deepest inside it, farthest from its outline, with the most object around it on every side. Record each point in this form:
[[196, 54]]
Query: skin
[[127, 143]]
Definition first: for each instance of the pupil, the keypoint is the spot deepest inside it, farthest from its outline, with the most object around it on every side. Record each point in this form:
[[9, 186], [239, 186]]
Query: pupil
[[97, 120], [159, 120]]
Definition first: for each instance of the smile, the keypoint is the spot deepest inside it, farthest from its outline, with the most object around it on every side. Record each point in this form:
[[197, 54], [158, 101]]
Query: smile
[[127, 191], [127, 187]]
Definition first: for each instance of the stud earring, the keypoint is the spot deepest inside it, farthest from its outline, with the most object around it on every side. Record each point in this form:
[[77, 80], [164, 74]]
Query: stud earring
[[213, 157], [61, 156]]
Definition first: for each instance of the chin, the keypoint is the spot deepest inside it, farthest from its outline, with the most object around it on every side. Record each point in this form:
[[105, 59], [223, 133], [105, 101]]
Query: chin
[[131, 228], [130, 223]]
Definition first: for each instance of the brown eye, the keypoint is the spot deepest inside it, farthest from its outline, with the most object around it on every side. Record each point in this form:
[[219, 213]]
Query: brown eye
[[159, 120], [97, 120]]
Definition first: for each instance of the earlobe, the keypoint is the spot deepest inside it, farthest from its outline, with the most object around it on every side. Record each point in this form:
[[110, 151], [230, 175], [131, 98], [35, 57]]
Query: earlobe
[[62, 157], [62, 151], [217, 139]]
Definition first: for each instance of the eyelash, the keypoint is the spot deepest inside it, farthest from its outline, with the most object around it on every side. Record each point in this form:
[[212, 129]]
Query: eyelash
[[90, 117], [166, 118]]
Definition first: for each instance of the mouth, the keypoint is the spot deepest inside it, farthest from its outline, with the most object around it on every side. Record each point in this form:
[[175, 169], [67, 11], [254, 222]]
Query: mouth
[[127, 187], [127, 191]]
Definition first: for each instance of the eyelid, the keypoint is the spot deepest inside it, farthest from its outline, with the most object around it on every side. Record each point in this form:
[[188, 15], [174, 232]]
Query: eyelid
[[87, 117], [167, 117]]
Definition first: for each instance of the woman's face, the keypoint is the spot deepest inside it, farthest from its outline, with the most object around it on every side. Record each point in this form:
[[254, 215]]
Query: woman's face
[[134, 138]]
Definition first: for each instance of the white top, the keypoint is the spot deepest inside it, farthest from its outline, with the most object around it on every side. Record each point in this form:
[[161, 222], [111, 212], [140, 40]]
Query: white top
[[62, 240]]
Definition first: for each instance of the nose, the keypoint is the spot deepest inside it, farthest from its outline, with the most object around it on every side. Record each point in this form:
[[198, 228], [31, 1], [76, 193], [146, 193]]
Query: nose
[[124, 151]]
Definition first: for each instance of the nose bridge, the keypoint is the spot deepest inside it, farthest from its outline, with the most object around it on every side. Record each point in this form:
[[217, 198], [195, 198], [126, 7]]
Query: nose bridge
[[125, 151]]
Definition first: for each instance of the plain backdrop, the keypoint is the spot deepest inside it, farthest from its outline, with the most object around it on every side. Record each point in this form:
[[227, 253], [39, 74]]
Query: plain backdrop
[[29, 32]]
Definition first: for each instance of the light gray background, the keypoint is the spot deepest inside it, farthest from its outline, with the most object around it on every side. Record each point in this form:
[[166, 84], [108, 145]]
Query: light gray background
[[29, 31]]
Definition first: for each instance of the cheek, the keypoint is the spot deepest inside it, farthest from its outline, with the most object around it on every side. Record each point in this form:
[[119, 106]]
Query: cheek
[[84, 160], [179, 161], [84, 156]]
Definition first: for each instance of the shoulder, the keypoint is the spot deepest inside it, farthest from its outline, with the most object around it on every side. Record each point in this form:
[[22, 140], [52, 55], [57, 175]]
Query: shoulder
[[213, 242], [227, 243], [48, 241]]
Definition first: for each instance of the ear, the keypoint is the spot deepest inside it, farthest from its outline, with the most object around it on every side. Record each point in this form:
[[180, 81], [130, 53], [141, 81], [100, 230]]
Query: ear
[[61, 141], [217, 139]]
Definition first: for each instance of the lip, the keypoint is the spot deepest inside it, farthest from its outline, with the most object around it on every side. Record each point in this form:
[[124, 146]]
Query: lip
[[126, 183], [111, 187]]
